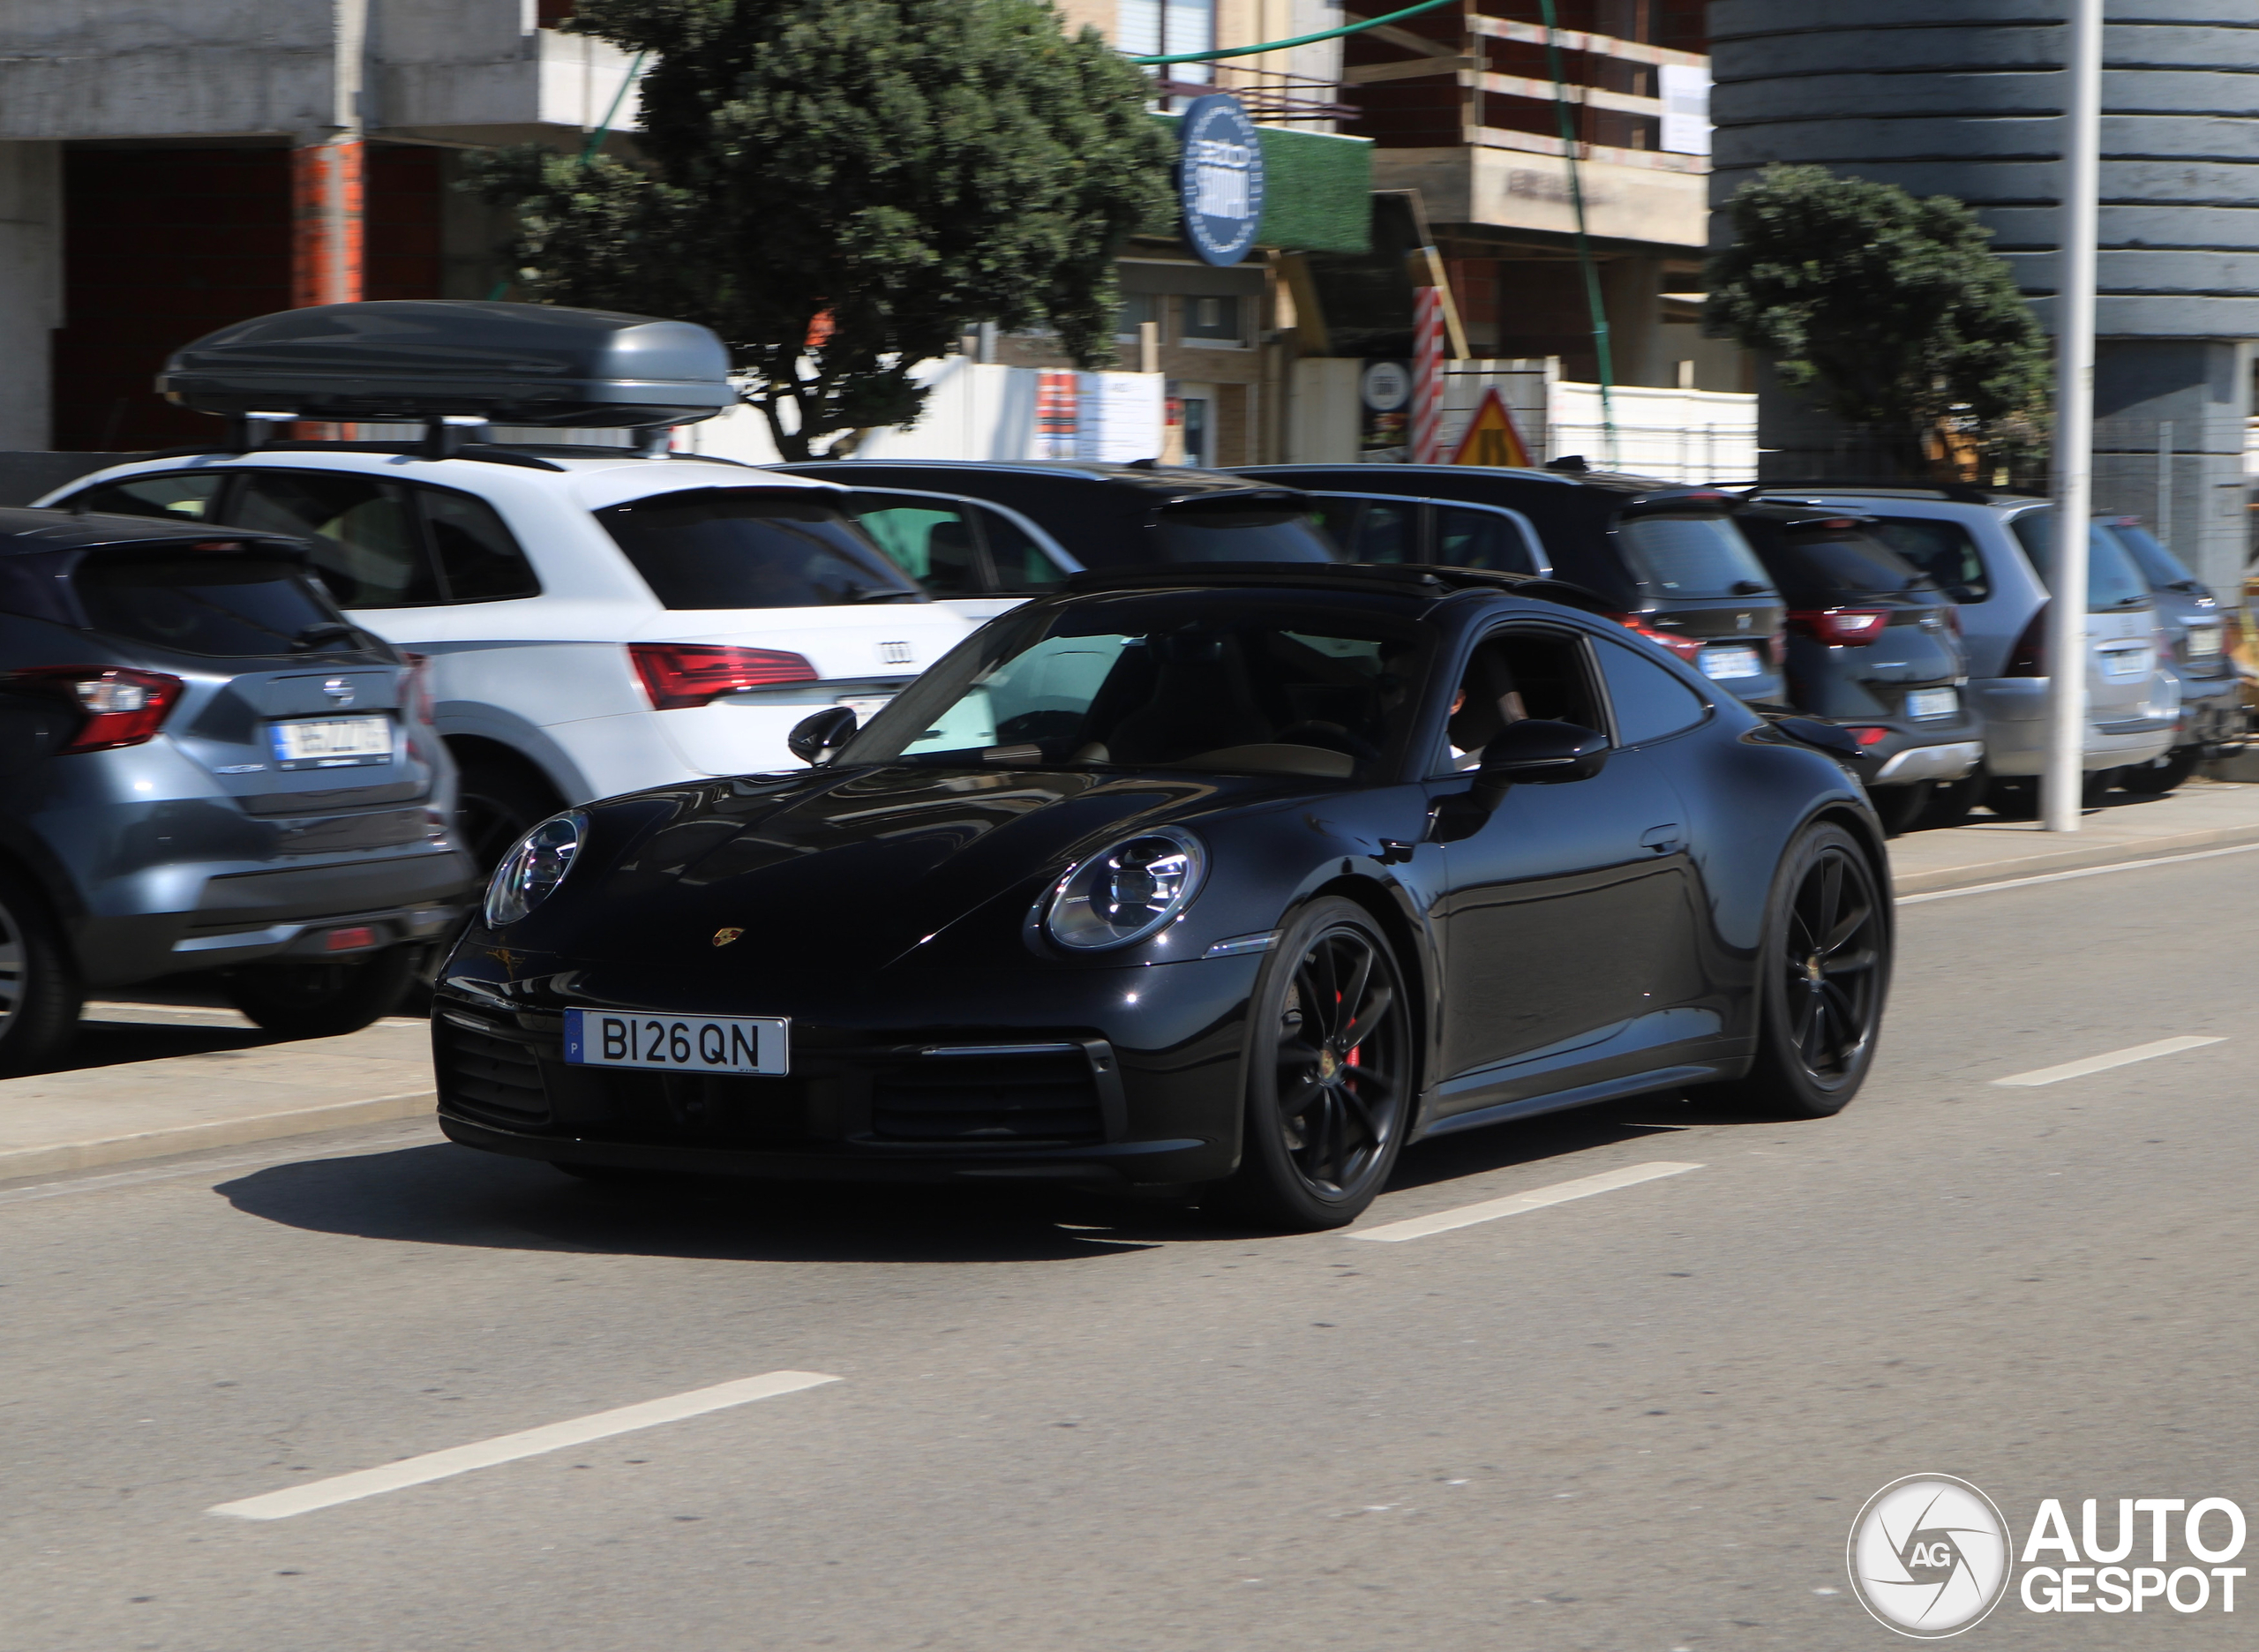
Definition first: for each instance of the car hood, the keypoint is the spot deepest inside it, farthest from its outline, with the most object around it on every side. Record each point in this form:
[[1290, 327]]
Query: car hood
[[853, 871]]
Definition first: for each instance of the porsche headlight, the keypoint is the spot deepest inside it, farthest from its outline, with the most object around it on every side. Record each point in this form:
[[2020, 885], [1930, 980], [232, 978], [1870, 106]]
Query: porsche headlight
[[535, 868], [1126, 892]]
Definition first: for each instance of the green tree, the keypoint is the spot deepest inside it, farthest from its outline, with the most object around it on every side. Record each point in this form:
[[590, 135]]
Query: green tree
[[1894, 313], [839, 188]]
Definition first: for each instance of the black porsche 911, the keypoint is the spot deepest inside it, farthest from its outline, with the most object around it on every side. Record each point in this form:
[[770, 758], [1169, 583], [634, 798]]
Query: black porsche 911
[[1232, 880]]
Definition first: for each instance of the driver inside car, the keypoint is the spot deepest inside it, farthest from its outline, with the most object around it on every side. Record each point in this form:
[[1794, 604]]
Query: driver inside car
[[1485, 702]]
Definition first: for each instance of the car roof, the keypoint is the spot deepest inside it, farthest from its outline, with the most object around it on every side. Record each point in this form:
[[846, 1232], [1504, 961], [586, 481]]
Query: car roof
[[1170, 482], [1946, 493], [1421, 581], [24, 530], [1608, 481]]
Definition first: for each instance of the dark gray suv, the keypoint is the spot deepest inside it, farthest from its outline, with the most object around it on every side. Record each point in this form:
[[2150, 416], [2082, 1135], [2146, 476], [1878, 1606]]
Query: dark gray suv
[[205, 767]]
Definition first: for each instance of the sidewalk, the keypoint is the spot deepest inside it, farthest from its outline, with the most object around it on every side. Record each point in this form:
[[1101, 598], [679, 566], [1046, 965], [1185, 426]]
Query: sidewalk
[[183, 1076]]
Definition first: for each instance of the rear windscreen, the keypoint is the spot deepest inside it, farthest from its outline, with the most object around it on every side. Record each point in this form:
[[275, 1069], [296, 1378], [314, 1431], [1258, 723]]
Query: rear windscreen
[[2112, 579], [1822, 567], [721, 548], [1691, 556], [232, 606], [2158, 566], [1240, 533]]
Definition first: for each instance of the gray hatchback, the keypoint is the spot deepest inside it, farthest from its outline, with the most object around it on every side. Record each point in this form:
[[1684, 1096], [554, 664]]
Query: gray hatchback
[[203, 766]]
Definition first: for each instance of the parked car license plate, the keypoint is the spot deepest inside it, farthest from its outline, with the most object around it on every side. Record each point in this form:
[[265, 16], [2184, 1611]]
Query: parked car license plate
[[1722, 660], [331, 742], [1933, 702], [722, 1044], [864, 706], [2203, 640], [2119, 663]]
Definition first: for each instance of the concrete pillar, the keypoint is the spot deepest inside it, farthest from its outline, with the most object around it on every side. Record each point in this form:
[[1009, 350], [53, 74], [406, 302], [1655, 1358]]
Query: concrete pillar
[[1631, 291], [31, 289], [2202, 388]]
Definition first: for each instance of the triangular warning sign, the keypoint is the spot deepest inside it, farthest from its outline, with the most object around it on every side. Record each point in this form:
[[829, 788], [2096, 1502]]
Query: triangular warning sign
[[1491, 437]]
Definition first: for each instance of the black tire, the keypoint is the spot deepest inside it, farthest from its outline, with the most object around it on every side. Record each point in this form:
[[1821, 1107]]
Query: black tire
[[1823, 974], [1330, 1077], [499, 800], [2155, 779], [1951, 801], [307, 998], [39, 994], [1900, 806]]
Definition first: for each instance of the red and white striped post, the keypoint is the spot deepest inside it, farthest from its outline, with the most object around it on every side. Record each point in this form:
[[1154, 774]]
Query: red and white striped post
[[1426, 436]]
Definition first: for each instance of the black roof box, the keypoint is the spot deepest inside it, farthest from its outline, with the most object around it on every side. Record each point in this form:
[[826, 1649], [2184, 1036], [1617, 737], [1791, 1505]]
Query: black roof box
[[427, 359]]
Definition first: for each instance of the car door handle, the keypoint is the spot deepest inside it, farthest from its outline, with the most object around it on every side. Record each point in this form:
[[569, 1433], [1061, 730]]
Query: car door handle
[[1660, 838]]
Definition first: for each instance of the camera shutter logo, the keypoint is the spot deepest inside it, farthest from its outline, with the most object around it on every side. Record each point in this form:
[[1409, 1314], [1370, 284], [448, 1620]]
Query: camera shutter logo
[[1929, 1556]]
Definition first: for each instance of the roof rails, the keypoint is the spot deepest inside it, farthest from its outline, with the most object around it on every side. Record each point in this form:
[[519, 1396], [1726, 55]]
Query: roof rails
[[486, 453], [1430, 581], [1957, 492]]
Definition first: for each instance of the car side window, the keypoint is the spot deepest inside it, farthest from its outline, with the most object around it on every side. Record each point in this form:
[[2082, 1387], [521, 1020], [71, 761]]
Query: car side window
[[479, 560], [1480, 539], [1022, 566], [928, 539], [1650, 704], [1513, 675], [185, 496], [1372, 530], [1942, 550], [367, 546]]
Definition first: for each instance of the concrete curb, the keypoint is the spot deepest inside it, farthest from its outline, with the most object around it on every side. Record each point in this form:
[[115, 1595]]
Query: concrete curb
[[57, 1157], [2069, 860]]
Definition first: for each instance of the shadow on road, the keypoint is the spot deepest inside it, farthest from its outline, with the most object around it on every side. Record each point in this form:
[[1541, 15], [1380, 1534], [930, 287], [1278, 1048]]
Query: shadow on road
[[448, 1195], [114, 1043]]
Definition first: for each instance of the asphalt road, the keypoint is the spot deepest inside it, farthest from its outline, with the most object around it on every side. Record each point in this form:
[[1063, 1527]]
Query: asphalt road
[[1641, 1419]]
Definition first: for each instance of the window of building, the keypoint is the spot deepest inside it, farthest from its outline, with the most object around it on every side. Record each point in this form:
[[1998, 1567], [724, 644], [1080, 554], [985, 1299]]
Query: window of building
[[1211, 320], [1137, 310]]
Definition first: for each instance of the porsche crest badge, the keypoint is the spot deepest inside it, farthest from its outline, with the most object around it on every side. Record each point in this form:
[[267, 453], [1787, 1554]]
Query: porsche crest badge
[[722, 937]]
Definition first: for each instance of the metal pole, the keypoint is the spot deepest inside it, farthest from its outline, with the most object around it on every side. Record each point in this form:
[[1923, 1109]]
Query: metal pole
[[2073, 460], [2164, 482]]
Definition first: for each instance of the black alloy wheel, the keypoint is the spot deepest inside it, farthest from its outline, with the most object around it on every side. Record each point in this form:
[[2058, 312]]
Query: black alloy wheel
[[1329, 1079], [40, 995], [1824, 974], [496, 804]]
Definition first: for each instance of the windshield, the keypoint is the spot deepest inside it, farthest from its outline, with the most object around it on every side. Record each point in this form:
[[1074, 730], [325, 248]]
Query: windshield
[[1940, 549], [2159, 566], [1818, 567], [734, 548], [2112, 579], [1691, 556], [233, 606], [1229, 532], [1219, 683]]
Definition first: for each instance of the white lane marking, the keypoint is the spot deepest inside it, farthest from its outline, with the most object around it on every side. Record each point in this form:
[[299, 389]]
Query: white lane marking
[[2080, 872], [2104, 1064], [321, 1494], [1536, 1198]]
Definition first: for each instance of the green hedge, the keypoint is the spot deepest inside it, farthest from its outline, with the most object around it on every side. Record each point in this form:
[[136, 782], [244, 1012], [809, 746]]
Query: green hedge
[[1317, 190]]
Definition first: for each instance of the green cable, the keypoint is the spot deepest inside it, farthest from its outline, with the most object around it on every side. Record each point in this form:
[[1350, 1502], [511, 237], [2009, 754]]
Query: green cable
[[603, 128], [1299, 39], [1593, 303]]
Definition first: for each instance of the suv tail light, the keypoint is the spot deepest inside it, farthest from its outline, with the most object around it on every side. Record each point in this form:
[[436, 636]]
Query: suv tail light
[[121, 706], [2028, 656], [680, 674], [1688, 648], [1840, 626]]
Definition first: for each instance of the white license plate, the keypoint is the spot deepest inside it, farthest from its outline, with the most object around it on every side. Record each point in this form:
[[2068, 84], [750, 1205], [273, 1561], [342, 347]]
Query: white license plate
[[1933, 702], [2203, 641], [864, 706], [2118, 664], [1731, 659], [717, 1044], [340, 742]]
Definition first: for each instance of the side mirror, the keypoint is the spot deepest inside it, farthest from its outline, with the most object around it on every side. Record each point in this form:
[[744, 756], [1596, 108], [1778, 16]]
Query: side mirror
[[1537, 751], [814, 738]]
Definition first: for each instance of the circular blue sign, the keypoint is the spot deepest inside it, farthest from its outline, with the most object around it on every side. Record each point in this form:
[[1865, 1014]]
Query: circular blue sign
[[1219, 179]]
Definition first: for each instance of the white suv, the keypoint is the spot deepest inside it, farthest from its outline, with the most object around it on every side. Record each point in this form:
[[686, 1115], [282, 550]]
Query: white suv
[[596, 622]]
